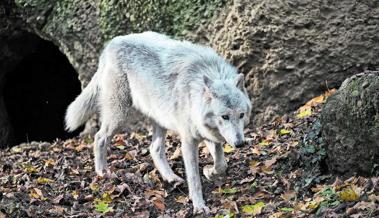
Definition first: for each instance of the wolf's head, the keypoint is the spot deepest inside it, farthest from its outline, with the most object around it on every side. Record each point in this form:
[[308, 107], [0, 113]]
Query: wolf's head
[[228, 108]]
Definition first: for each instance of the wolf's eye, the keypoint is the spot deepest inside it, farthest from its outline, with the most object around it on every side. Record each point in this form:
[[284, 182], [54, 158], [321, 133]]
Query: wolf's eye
[[225, 117], [242, 115]]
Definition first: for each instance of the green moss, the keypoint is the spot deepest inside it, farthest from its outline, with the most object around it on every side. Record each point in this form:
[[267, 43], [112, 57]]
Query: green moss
[[119, 17], [171, 17]]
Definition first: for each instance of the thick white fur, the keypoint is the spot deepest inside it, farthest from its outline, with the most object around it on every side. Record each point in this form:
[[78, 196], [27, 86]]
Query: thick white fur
[[181, 86]]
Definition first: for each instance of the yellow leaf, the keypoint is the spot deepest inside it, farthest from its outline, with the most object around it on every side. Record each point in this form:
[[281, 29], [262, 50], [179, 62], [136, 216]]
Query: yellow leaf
[[16, 149], [267, 170], [227, 190], [106, 198], [33, 195], [315, 203], [305, 113], [228, 148], [30, 169], [75, 194], [49, 162], [254, 163], [254, 209], [284, 132], [94, 187], [42, 180], [264, 143], [348, 194], [36, 194]]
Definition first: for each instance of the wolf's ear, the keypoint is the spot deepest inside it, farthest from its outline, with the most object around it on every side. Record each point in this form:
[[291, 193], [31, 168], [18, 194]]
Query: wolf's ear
[[239, 81], [208, 86], [207, 81]]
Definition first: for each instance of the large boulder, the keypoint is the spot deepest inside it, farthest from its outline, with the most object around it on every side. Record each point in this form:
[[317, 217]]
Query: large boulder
[[350, 126]]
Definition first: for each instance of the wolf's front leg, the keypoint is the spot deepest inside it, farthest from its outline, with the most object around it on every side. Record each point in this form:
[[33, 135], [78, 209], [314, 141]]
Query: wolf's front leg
[[157, 152], [217, 171], [190, 152]]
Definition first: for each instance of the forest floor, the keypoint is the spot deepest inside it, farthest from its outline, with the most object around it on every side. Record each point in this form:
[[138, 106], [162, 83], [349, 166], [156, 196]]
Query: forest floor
[[281, 172]]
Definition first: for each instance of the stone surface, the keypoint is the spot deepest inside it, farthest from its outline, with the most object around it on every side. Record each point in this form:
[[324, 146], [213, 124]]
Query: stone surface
[[289, 50], [350, 126]]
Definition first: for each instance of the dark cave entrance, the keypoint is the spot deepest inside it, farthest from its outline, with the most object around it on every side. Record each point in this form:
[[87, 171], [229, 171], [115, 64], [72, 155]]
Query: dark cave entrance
[[37, 92]]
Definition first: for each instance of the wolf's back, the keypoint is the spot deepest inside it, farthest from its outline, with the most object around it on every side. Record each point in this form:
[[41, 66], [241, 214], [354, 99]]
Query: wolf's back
[[83, 107]]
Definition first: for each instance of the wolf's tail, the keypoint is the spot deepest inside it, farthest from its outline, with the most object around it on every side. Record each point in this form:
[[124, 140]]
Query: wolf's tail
[[84, 106]]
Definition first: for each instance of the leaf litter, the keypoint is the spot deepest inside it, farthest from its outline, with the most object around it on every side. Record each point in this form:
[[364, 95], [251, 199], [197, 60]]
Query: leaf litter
[[279, 173]]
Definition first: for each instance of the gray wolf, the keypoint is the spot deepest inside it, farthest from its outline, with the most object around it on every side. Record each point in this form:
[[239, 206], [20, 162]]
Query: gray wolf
[[180, 86]]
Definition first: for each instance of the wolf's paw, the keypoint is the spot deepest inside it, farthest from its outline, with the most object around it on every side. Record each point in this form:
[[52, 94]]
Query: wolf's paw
[[175, 180], [105, 173], [201, 209], [211, 174]]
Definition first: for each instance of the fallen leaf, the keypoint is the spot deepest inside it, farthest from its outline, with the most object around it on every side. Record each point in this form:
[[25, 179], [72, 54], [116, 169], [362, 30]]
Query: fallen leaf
[[348, 194], [305, 113], [256, 151], [75, 194], [102, 207], [128, 156], [176, 154], [374, 198], [267, 170], [288, 195], [30, 169], [42, 180], [121, 147], [159, 204], [315, 203], [269, 163], [94, 187], [57, 199], [254, 209], [227, 190], [182, 199], [16, 149], [277, 215], [80, 147], [37, 194], [264, 143], [56, 209], [286, 209], [49, 162], [284, 132], [228, 148], [105, 197]]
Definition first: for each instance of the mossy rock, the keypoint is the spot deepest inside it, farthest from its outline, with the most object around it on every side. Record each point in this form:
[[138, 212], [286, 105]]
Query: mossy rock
[[350, 126]]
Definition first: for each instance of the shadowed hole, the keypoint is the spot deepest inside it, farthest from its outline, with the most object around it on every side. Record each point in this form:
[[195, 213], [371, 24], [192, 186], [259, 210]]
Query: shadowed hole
[[37, 93]]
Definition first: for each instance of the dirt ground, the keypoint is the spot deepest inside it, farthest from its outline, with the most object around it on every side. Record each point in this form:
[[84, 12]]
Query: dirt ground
[[279, 173]]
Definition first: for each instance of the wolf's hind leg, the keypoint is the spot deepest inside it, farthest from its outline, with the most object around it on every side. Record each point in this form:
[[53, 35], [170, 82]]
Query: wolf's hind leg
[[157, 151], [102, 139], [218, 170]]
